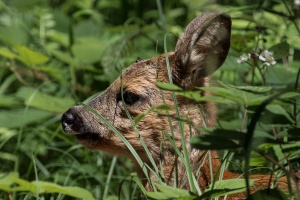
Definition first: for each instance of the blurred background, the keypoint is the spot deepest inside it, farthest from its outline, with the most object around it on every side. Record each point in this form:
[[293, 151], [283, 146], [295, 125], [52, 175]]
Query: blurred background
[[57, 53]]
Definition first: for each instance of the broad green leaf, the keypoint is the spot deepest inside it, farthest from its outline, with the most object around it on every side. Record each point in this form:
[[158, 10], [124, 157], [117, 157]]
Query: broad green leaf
[[175, 192], [6, 180], [19, 117], [255, 89], [13, 35], [280, 111], [42, 101], [30, 57], [280, 50], [228, 93], [72, 191], [257, 160], [23, 185], [64, 57], [230, 186], [195, 95], [169, 192], [5, 52], [168, 86], [281, 76], [9, 102], [89, 50], [216, 99]]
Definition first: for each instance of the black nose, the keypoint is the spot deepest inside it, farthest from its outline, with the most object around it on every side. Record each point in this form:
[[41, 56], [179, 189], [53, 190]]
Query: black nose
[[70, 121]]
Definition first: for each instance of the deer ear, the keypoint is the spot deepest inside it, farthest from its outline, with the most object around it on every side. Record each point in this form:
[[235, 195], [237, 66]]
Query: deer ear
[[202, 48]]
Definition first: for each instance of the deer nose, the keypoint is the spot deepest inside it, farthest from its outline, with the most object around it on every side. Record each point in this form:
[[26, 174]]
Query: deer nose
[[69, 121]]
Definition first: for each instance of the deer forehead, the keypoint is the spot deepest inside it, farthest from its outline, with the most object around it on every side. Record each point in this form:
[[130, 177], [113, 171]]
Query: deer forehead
[[143, 74]]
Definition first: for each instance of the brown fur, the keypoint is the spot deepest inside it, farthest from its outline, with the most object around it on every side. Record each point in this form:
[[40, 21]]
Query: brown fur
[[199, 52]]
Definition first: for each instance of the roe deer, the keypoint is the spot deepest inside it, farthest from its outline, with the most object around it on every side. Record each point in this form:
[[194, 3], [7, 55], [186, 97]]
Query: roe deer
[[200, 51]]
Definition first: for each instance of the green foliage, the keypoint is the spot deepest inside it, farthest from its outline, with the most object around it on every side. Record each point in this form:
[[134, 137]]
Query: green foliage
[[54, 54]]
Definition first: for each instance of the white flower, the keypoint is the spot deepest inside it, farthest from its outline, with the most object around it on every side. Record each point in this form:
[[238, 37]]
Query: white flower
[[267, 57], [243, 58], [297, 2]]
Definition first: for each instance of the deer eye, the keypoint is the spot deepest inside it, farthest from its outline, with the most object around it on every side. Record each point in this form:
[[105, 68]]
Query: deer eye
[[129, 98]]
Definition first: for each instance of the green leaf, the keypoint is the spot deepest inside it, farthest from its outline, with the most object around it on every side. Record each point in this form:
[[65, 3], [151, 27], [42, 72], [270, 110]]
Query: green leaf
[[89, 50], [255, 89], [6, 180], [19, 117], [23, 185], [280, 50], [146, 112], [270, 194], [42, 101], [72, 191], [9, 101], [168, 86], [5, 52], [169, 192], [13, 35], [226, 187], [213, 142], [64, 57], [30, 57]]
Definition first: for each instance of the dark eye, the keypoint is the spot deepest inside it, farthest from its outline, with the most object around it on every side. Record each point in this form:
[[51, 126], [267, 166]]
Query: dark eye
[[129, 98]]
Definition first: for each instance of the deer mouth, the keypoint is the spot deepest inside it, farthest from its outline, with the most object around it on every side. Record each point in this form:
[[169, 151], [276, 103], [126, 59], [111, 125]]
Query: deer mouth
[[87, 136]]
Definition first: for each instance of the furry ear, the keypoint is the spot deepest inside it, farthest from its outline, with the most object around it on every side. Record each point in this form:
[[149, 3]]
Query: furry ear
[[201, 49]]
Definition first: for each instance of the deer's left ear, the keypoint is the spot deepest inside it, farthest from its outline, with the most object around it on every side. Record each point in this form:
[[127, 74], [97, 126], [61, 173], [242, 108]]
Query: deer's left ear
[[202, 48]]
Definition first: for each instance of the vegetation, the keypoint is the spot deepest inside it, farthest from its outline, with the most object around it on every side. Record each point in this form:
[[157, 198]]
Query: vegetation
[[54, 54]]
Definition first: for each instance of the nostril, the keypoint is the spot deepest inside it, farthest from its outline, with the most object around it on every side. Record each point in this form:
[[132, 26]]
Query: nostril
[[69, 120]]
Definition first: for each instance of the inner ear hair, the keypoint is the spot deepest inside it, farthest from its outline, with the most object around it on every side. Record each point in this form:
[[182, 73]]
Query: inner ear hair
[[202, 48]]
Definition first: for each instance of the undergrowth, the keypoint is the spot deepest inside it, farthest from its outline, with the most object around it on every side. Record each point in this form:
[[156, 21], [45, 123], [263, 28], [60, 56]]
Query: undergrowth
[[55, 54]]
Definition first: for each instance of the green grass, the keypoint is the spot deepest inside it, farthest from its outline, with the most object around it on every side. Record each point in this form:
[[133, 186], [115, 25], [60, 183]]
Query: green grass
[[55, 55]]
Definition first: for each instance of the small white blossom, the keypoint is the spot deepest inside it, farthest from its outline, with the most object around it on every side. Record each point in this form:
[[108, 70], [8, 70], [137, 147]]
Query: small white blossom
[[267, 57], [243, 58], [297, 2]]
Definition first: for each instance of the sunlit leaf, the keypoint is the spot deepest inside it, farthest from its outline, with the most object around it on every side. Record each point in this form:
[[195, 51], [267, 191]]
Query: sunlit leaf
[[6, 180], [5, 52], [30, 57]]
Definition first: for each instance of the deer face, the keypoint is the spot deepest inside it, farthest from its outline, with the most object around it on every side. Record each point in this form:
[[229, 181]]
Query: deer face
[[200, 51]]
